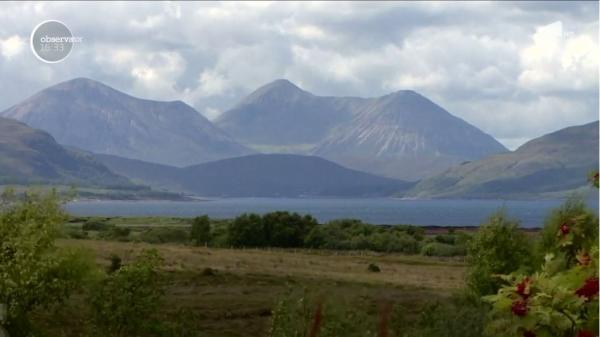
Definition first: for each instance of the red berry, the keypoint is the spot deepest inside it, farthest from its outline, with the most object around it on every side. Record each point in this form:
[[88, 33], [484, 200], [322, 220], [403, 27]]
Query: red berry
[[528, 333], [519, 308], [589, 288], [523, 288], [565, 229], [585, 333]]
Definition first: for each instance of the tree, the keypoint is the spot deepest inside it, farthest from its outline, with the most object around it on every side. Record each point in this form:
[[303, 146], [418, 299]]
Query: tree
[[561, 298], [126, 302], [499, 247], [34, 273], [200, 233], [246, 230], [284, 229], [575, 221]]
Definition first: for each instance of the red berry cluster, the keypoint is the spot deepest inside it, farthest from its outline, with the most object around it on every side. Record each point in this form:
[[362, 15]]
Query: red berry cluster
[[589, 288], [565, 228], [524, 288], [585, 333], [519, 308]]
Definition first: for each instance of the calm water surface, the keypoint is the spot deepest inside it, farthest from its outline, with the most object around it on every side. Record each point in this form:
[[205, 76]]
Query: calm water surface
[[374, 210]]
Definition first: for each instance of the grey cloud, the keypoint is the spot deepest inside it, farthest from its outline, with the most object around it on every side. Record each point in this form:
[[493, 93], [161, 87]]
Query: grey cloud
[[465, 56]]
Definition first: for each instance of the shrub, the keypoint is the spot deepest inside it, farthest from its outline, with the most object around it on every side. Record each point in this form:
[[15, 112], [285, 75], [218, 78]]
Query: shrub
[[373, 268], [113, 232], [561, 297], [442, 249], [34, 272], [284, 229], [164, 235], [246, 230], [304, 314], [462, 316], [94, 224], [499, 247], [200, 232], [76, 233], [579, 223], [126, 302]]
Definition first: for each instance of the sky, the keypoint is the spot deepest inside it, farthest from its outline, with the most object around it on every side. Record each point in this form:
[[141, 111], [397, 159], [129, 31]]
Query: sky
[[516, 70]]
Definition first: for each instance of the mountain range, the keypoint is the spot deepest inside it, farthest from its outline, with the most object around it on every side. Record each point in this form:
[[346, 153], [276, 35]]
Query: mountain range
[[401, 135], [32, 156], [263, 175], [554, 163], [399, 144], [94, 117]]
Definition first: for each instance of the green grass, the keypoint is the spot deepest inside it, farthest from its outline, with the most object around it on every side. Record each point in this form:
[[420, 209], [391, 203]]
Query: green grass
[[237, 299]]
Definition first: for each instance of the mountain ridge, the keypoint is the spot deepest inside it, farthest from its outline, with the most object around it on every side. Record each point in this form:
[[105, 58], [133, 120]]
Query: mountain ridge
[[553, 163], [95, 117], [341, 129], [259, 175], [30, 156]]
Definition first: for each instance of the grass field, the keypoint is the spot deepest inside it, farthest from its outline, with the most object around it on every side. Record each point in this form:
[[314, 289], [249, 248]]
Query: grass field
[[236, 295]]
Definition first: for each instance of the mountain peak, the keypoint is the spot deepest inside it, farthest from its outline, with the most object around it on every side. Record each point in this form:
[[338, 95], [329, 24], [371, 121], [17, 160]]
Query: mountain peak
[[280, 89]]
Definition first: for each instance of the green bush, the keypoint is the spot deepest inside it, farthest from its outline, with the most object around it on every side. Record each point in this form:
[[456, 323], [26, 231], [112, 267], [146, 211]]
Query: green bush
[[126, 302], [373, 268], [462, 316], [34, 273], [246, 230], [164, 235], [442, 249], [200, 232], [113, 232], [499, 247], [575, 215], [95, 224], [302, 314]]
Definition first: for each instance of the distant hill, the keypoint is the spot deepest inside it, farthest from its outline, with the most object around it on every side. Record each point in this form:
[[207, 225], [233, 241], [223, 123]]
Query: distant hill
[[32, 156], [551, 164], [94, 117], [402, 135], [274, 175]]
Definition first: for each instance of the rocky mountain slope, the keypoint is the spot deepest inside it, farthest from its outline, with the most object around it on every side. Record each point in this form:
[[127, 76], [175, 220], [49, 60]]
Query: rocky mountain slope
[[94, 117], [551, 164], [402, 135], [33, 156]]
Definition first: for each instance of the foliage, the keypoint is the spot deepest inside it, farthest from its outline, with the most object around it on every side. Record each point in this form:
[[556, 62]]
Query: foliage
[[561, 298], [442, 249], [277, 229], [578, 223], [354, 234], [113, 232], [305, 314], [246, 230], [463, 316], [284, 229], [373, 268], [126, 302], [499, 247], [200, 232], [94, 224], [33, 272], [164, 235]]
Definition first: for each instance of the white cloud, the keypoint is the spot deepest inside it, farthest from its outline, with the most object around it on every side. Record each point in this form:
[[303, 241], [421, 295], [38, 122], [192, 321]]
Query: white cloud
[[559, 60], [516, 70], [12, 46]]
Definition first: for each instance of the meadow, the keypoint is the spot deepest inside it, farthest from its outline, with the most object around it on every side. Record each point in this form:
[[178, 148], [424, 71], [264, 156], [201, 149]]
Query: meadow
[[232, 292]]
